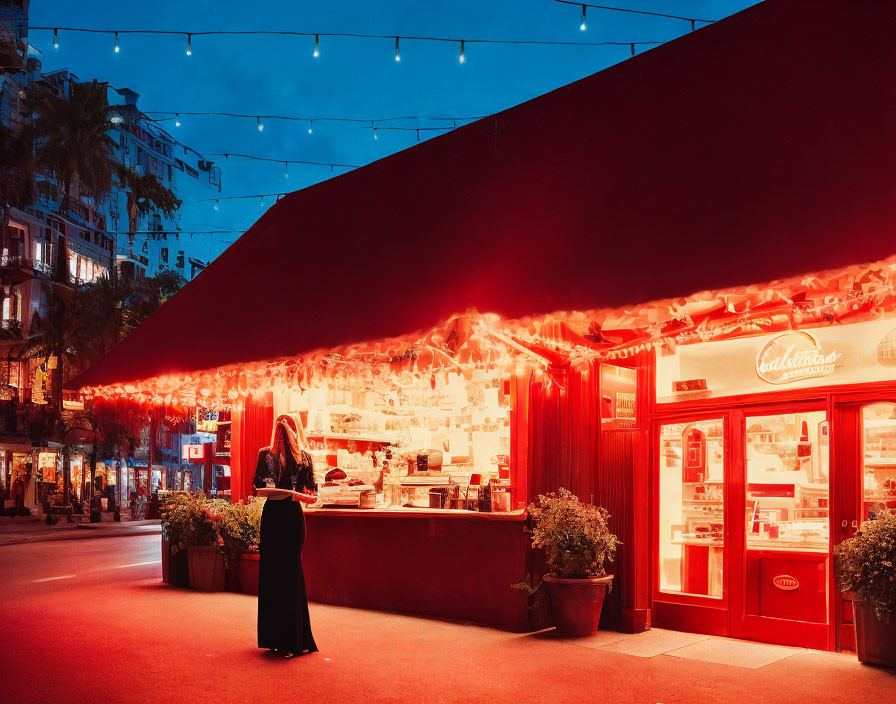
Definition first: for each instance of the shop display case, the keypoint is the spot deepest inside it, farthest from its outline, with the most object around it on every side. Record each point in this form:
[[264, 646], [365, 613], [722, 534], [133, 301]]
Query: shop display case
[[413, 447], [788, 497], [878, 458], [692, 517]]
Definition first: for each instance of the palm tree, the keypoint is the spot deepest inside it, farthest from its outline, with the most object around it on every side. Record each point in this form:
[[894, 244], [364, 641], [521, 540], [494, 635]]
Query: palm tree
[[145, 192], [64, 333], [16, 174], [72, 144]]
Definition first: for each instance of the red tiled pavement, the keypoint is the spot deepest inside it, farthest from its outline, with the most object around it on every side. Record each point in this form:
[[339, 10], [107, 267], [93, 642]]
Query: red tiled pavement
[[109, 631]]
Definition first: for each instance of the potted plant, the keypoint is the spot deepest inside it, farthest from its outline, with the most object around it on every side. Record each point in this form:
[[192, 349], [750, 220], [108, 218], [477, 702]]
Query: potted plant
[[176, 524], [204, 543], [577, 541], [240, 531], [865, 566]]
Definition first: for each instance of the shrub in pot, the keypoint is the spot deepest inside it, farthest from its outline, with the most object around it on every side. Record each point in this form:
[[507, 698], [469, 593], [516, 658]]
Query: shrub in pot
[[177, 522], [240, 531], [577, 541], [204, 543], [865, 566]]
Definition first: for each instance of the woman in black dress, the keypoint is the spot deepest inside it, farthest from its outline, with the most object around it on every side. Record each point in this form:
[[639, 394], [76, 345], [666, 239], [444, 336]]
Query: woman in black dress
[[283, 473]]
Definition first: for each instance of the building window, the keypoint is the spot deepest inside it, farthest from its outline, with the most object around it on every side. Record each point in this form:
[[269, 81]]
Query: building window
[[38, 252], [180, 260]]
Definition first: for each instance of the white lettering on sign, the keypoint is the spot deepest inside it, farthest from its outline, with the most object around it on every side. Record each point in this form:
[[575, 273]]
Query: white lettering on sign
[[794, 356], [786, 583]]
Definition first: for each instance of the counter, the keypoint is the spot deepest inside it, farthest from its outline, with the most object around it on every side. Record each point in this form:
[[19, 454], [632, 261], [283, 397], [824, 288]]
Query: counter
[[432, 562]]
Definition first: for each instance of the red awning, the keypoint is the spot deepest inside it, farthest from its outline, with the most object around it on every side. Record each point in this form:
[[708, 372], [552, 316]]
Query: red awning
[[757, 148]]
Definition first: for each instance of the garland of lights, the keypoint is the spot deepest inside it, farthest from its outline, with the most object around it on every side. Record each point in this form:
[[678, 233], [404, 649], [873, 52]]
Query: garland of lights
[[461, 42], [583, 26]]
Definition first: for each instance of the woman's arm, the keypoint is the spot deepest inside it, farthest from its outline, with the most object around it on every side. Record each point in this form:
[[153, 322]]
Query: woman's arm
[[283, 493]]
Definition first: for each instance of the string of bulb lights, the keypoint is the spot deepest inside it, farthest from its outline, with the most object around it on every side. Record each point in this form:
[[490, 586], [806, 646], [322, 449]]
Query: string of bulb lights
[[373, 124], [584, 23], [461, 43]]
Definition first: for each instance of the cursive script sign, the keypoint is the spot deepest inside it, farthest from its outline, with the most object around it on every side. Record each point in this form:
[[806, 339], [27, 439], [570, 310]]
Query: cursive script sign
[[794, 356], [786, 583]]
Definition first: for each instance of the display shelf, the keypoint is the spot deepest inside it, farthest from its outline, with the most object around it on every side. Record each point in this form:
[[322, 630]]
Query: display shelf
[[345, 436]]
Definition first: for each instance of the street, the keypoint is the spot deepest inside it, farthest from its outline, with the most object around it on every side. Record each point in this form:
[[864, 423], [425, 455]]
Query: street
[[90, 619]]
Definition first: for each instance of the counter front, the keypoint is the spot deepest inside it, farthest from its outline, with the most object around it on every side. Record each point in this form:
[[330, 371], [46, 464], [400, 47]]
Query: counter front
[[449, 564]]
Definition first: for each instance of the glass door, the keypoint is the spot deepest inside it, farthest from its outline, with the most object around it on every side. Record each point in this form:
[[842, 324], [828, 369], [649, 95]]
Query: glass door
[[878, 458], [786, 519], [691, 536]]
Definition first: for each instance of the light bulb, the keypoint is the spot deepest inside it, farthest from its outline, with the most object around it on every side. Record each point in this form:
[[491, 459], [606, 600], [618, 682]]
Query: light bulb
[[262, 201], [310, 126], [189, 45], [260, 126], [55, 38], [583, 26], [117, 47], [461, 58], [216, 205], [286, 170], [374, 133], [397, 53], [176, 120], [316, 46]]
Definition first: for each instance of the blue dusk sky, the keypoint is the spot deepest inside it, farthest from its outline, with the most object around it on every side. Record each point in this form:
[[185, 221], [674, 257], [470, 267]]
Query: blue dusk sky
[[354, 78]]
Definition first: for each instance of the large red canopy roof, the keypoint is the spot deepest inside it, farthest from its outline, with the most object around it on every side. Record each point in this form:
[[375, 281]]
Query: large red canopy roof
[[757, 148]]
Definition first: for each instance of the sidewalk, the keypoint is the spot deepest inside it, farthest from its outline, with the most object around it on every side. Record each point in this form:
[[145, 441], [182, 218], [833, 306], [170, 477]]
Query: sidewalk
[[32, 529]]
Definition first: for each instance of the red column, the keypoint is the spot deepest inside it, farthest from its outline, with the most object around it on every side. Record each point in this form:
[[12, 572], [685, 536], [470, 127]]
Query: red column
[[250, 430]]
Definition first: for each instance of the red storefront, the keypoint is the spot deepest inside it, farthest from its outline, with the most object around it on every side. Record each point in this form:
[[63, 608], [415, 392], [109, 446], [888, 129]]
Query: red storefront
[[734, 434]]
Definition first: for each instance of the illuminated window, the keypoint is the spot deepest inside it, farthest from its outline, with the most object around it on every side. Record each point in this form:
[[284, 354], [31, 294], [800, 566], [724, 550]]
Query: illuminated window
[[692, 523], [787, 505], [878, 458]]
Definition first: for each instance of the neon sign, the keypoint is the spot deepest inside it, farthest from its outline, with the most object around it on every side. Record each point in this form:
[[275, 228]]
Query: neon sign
[[794, 356]]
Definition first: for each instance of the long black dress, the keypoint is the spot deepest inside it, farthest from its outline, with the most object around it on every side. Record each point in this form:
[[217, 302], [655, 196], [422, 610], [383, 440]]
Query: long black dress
[[283, 622]]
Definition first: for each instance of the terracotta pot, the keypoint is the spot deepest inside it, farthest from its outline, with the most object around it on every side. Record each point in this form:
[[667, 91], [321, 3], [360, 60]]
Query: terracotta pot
[[576, 603], [206, 568], [175, 569], [166, 561], [875, 640], [247, 573]]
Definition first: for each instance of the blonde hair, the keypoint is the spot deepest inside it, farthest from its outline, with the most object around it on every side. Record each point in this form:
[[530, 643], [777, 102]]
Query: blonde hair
[[295, 436]]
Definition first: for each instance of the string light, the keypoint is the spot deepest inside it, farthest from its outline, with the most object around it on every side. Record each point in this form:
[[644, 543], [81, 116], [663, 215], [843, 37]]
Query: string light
[[583, 26], [117, 47], [262, 201], [310, 126], [286, 169], [252, 157], [316, 46], [358, 35], [216, 205], [610, 8], [462, 59], [260, 126], [176, 120], [55, 38], [373, 127], [189, 45]]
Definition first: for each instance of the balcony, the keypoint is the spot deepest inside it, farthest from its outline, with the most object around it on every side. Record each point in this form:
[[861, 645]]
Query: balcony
[[13, 40]]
